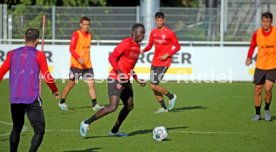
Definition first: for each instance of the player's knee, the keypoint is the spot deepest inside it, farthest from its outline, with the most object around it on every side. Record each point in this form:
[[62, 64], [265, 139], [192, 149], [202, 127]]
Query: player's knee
[[18, 126], [153, 86], [268, 92], [70, 86], [258, 91], [39, 129], [112, 108], [130, 107]]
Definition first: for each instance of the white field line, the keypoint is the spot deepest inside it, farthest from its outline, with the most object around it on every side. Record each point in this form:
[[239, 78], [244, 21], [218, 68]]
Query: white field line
[[72, 130], [208, 132], [25, 129]]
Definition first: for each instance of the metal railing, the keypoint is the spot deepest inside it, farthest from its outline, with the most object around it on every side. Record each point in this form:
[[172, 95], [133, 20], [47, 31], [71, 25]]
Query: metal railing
[[232, 21]]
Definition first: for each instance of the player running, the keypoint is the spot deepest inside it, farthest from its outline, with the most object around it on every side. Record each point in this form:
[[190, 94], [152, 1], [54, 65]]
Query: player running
[[166, 45], [123, 60], [80, 64], [25, 64], [265, 71]]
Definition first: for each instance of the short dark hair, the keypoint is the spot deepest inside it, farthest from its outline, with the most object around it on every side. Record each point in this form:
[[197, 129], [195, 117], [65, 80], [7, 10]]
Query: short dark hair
[[136, 25], [31, 34], [159, 15], [267, 15], [84, 18]]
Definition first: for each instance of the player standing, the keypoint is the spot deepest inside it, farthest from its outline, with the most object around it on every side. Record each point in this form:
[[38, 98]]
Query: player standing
[[166, 45], [25, 64], [265, 71], [80, 64], [123, 60]]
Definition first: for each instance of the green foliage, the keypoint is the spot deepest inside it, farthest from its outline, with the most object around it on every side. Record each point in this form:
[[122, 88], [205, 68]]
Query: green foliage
[[30, 21]]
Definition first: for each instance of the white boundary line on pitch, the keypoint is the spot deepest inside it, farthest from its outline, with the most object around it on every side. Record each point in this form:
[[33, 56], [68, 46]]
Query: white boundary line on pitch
[[25, 128], [209, 132], [71, 130]]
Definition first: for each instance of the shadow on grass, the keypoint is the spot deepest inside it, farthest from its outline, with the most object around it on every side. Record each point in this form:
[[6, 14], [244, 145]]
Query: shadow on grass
[[89, 107], [83, 107], [89, 137], [273, 117], [147, 131], [85, 150], [187, 108], [5, 139]]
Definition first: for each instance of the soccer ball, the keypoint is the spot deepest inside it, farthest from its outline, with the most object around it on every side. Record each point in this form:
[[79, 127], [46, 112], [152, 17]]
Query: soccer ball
[[160, 133]]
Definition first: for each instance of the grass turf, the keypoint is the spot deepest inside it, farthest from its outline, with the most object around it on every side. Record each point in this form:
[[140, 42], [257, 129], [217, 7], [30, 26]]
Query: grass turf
[[207, 117]]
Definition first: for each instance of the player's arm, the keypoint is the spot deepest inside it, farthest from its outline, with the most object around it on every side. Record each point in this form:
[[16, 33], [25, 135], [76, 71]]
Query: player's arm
[[150, 44], [5, 66], [73, 44], [41, 59], [176, 47], [139, 81], [113, 57], [251, 49]]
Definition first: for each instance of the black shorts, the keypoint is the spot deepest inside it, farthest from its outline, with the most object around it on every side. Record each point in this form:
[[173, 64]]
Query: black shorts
[[122, 90], [76, 73], [261, 75], [34, 113], [157, 73]]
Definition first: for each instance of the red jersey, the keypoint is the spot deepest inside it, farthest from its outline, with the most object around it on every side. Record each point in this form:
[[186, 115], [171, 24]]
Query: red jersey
[[164, 39], [124, 57], [41, 59]]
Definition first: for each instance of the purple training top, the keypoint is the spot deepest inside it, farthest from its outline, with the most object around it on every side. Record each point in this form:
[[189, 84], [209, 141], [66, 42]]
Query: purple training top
[[24, 76]]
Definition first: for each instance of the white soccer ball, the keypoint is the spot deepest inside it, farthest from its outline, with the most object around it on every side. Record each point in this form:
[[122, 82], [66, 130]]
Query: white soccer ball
[[160, 133]]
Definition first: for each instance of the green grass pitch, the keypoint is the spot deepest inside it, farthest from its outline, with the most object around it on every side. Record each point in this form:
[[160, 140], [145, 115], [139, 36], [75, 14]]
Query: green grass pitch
[[208, 117]]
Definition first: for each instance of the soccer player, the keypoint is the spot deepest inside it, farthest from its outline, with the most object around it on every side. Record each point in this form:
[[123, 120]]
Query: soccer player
[[166, 45], [80, 64], [123, 60], [265, 71], [24, 64]]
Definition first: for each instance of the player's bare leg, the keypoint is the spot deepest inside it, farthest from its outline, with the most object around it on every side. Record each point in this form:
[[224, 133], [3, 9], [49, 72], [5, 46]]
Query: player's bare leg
[[159, 91], [268, 97], [113, 105], [62, 105], [91, 88], [70, 84], [258, 101], [92, 93], [128, 106]]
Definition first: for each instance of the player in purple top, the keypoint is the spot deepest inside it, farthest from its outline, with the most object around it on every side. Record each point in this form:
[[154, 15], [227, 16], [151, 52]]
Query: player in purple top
[[24, 64]]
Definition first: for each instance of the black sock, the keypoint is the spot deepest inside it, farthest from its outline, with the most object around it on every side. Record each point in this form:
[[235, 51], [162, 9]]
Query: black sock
[[90, 120], [122, 116], [258, 110], [169, 95], [94, 102], [267, 106], [115, 128], [62, 101], [163, 105]]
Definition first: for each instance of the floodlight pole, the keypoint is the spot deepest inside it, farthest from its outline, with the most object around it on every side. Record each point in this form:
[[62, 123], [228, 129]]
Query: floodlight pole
[[222, 9], [148, 10]]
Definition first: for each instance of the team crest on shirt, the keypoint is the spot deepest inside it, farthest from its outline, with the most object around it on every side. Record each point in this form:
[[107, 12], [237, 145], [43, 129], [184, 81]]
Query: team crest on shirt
[[163, 36], [119, 86]]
